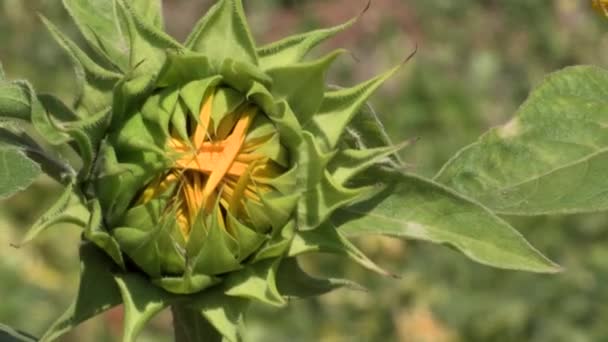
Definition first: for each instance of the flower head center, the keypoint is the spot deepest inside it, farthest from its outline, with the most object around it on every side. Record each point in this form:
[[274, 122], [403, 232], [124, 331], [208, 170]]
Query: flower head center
[[216, 166]]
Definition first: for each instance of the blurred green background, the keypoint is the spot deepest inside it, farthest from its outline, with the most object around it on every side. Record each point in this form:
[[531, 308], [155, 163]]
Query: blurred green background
[[476, 63]]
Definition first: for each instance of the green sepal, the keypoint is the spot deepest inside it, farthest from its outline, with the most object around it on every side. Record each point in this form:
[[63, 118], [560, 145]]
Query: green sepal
[[52, 216], [339, 107], [8, 334], [294, 48], [96, 20], [350, 162], [142, 301], [80, 132], [279, 207], [226, 101], [224, 33], [242, 76], [225, 313], [95, 83], [211, 249], [95, 273], [327, 239], [281, 115], [94, 232], [294, 283], [317, 204], [150, 11], [194, 92], [179, 120], [189, 325], [417, 208], [278, 245], [187, 284], [322, 193], [150, 236], [256, 281], [17, 172], [367, 131], [302, 85], [184, 67], [148, 53], [249, 240], [147, 43], [273, 150]]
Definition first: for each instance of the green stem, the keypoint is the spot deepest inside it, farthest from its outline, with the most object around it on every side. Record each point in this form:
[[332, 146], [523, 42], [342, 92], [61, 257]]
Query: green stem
[[191, 326]]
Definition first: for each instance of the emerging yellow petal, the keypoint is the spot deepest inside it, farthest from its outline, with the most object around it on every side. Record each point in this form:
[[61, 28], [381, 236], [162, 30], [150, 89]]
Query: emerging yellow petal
[[216, 166]]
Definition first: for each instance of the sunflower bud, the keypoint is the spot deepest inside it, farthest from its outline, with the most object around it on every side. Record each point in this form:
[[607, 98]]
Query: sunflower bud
[[208, 166], [209, 183]]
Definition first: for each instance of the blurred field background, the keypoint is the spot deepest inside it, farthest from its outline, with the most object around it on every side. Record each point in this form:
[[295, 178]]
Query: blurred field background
[[476, 63]]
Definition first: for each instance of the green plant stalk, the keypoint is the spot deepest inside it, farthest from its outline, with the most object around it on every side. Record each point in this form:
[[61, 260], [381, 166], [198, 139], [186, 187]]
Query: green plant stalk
[[190, 326]]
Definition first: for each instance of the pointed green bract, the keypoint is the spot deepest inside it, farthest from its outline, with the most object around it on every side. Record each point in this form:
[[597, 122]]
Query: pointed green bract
[[48, 219], [142, 301], [328, 239], [293, 282], [339, 107], [96, 21], [258, 282], [302, 85], [294, 48], [224, 313], [151, 11], [549, 159], [94, 82], [420, 209], [190, 325], [224, 23]]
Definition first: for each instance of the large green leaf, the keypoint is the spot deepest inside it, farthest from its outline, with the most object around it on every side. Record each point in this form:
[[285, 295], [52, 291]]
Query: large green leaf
[[550, 159], [17, 171], [416, 208]]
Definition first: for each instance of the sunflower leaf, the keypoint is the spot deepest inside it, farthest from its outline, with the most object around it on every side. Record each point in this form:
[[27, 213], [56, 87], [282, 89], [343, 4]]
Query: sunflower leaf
[[417, 208], [552, 158]]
